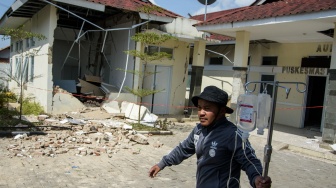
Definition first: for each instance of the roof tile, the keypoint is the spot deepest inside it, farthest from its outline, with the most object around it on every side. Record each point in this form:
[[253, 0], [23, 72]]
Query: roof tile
[[275, 9], [134, 5]]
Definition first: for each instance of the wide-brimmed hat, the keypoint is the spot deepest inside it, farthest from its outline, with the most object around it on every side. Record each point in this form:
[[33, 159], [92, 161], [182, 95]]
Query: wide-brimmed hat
[[213, 94]]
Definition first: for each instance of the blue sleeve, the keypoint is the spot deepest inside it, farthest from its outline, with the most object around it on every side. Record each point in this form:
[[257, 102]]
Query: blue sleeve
[[183, 151], [247, 159]]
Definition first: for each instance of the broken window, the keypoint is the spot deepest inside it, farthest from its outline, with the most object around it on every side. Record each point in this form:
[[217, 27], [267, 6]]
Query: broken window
[[216, 61], [270, 60]]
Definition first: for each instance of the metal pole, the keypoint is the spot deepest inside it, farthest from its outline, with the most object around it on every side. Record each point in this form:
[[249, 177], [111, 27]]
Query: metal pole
[[206, 5], [268, 146]]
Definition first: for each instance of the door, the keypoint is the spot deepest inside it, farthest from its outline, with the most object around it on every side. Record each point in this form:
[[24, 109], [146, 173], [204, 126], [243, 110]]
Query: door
[[158, 103], [314, 101]]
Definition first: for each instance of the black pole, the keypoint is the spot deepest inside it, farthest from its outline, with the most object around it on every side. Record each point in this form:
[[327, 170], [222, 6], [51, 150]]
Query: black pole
[[268, 146]]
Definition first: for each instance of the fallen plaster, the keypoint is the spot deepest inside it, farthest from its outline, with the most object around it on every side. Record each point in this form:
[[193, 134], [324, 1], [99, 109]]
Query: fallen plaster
[[65, 102], [90, 131]]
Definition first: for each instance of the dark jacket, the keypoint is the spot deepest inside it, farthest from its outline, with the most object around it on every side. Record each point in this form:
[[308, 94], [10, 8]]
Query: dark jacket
[[214, 147]]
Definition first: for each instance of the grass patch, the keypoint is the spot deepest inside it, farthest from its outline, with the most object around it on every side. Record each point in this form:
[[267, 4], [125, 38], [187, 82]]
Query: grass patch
[[141, 127]]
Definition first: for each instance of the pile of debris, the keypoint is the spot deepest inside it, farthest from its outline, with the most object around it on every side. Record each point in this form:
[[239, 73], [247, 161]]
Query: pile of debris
[[76, 135]]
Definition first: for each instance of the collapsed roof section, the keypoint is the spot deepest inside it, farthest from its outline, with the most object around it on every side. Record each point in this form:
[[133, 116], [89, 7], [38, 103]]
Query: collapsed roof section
[[94, 11]]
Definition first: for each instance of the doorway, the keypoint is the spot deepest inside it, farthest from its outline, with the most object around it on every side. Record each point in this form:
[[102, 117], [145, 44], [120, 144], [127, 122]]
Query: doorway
[[315, 101], [158, 103]]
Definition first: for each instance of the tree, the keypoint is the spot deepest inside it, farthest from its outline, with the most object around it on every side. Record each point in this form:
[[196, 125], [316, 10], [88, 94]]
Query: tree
[[146, 38], [19, 34]]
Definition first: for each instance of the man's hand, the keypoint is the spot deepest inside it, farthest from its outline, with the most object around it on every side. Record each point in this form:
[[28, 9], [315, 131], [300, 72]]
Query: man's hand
[[261, 182], [153, 171]]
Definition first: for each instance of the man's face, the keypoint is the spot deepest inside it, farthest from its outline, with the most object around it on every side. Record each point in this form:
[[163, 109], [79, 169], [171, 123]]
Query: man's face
[[207, 112]]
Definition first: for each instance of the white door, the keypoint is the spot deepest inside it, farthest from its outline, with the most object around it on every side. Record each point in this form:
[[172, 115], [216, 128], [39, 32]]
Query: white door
[[158, 103]]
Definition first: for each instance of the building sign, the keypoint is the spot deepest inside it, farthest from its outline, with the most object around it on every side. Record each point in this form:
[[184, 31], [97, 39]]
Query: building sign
[[305, 70], [324, 48]]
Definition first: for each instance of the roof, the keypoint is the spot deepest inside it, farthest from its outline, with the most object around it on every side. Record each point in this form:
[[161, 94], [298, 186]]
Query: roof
[[275, 9], [20, 12], [4, 48], [134, 5]]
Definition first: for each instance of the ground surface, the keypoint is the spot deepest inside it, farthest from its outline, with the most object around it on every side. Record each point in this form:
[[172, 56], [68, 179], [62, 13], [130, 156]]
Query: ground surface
[[125, 169]]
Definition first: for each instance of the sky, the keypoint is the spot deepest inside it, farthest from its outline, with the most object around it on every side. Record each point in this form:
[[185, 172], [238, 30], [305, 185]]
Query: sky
[[181, 7]]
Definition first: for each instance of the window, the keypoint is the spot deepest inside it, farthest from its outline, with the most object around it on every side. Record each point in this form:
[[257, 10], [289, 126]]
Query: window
[[10, 67], [154, 49], [31, 67], [27, 43], [270, 60], [18, 67], [269, 88], [21, 46], [11, 47], [17, 46], [216, 61], [25, 69], [31, 42], [167, 50]]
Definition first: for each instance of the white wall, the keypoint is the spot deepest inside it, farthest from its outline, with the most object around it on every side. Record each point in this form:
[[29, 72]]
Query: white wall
[[4, 67], [43, 23], [289, 111]]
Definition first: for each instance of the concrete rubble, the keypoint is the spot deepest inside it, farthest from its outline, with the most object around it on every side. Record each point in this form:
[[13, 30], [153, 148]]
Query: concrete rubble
[[77, 134]]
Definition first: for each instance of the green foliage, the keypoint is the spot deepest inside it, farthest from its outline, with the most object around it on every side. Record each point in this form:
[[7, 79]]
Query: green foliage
[[29, 107], [151, 38], [6, 97], [163, 124], [149, 57], [20, 34], [141, 127], [150, 8]]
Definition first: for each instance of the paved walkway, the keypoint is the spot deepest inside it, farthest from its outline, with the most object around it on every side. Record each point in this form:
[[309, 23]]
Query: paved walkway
[[125, 169]]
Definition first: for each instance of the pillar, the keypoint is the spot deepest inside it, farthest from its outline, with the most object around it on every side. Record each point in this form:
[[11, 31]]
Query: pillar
[[329, 126], [196, 74], [239, 68]]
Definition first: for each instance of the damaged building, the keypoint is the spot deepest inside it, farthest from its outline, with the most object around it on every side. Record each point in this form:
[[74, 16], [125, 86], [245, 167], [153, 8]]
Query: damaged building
[[84, 51]]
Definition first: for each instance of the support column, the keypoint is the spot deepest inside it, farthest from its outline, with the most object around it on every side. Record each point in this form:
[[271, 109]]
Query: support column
[[329, 127], [196, 75], [239, 68]]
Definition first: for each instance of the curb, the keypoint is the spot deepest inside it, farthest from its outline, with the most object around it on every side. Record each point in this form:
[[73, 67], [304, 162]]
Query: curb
[[323, 155]]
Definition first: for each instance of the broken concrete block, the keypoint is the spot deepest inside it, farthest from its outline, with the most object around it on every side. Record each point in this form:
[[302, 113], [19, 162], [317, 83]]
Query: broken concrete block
[[93, 79], [149, 117], [139, 138], [124, 105], [63, 102], [88, 88], [111, 107], [134, 111], [128, 110]]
